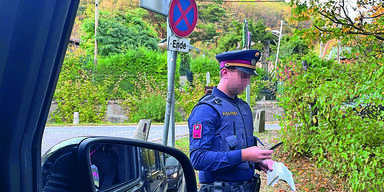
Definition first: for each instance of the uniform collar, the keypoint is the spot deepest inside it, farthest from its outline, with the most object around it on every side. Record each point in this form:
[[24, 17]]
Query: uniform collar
[[219, 93]]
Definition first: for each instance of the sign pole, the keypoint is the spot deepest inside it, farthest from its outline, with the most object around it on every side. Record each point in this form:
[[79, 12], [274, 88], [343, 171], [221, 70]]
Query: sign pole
[[172, 123], [181, 21], [171, 63], [96, 25]]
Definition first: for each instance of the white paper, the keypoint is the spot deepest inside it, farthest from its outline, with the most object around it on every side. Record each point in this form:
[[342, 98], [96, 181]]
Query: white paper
[[280, 172]]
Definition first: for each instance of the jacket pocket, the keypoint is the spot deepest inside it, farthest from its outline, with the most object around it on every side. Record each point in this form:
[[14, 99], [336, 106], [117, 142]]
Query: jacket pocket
[[231, 142]]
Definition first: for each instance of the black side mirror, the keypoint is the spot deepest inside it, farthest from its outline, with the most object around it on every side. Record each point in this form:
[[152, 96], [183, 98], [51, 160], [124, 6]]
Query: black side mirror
[[118, 164]]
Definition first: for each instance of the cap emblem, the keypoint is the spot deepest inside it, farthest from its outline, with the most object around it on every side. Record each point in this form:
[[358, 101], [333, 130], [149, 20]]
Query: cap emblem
[[253, 62]]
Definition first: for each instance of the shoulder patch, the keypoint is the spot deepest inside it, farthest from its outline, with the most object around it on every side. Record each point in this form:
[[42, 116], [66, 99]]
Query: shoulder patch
[[197, 129]]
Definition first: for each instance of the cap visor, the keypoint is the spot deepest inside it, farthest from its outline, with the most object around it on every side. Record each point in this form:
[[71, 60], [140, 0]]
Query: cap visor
[[247, 70]]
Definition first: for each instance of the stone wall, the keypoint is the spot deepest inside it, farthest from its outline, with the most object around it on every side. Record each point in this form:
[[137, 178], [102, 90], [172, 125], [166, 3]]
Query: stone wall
[[116, 114], [271, 108]]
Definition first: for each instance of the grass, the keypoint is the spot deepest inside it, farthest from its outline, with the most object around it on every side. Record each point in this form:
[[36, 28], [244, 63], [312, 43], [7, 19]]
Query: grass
[[183, 145]]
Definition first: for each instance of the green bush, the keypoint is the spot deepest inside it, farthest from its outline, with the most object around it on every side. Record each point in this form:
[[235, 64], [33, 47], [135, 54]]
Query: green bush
[[188, 96], [203, 64], [119, 31], [151, 107], [125, 69], [75, 92], [324, 118], [149, 102]]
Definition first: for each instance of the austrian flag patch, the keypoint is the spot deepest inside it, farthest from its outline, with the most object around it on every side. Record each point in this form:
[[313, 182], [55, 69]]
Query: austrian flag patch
[[197, 131]]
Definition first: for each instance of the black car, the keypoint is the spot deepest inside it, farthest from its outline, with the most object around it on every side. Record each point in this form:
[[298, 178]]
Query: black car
[[175, 174], [34, 37], [155, 173]]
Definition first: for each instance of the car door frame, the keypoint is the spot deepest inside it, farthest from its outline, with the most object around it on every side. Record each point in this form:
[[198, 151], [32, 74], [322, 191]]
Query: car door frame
[[34, 37]]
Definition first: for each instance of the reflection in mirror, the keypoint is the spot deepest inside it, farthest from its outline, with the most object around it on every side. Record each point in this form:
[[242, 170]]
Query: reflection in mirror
[[175, 174], [129, 168]]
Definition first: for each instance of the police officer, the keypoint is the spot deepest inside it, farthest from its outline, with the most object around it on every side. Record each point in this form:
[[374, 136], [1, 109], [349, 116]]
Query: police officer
[[222, 145]]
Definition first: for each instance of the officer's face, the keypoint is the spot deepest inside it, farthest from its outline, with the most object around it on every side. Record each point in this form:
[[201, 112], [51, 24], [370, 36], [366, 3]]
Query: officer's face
[[238, 81]]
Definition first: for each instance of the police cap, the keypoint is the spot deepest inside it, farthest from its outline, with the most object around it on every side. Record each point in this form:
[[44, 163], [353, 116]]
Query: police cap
[[244, 60]]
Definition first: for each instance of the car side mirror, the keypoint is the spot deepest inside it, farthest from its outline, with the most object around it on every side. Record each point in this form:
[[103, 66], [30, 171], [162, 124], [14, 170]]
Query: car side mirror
[[119, 164]]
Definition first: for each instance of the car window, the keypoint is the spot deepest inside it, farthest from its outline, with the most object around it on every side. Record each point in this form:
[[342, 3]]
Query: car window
[[128, 164], [113, 165]]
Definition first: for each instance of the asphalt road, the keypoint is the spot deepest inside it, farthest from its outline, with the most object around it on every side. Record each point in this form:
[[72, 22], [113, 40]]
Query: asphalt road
[[54, 135]]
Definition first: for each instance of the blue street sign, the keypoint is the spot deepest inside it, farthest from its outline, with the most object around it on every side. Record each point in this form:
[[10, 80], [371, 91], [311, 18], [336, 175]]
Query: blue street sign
[[182, 17]]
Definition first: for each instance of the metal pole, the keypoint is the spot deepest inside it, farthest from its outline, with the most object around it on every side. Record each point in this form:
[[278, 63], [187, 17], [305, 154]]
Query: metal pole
[[171, 62], [248, 94], [172, 124], [245, 32], [96, 25], [278, 44], [208, 78], [247, 46]]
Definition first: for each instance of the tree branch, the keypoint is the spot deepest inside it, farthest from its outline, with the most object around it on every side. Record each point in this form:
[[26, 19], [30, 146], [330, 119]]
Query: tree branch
[[354, 32], [358, 30], [373, 17], [351, 23], [328, 17]]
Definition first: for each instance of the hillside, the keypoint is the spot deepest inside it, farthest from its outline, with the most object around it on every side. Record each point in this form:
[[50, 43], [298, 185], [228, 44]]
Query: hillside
[[270, 13]]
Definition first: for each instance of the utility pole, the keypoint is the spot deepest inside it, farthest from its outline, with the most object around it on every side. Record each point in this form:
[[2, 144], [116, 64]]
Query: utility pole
[[278, 44], [247, 45], [96, 24], [245, 32]]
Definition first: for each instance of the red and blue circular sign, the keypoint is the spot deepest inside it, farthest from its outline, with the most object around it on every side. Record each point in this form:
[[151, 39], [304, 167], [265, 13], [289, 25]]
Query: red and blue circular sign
[[182, 17]]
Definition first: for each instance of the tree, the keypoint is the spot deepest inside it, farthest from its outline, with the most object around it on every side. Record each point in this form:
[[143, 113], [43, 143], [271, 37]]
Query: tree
[[209, 26], [337, 106], [118, 32], [338, 18], [260, 34], [294, 44], [358, 25], [211, 13], [231, 37]]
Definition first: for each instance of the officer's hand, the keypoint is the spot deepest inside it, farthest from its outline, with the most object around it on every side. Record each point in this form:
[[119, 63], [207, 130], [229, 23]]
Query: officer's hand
[[254, 154], [267, 165]]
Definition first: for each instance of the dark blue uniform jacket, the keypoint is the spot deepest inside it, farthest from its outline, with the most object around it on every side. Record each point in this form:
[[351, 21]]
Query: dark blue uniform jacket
[[219, 128]]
